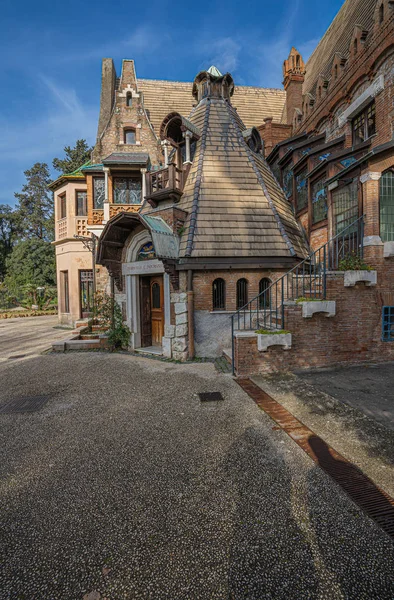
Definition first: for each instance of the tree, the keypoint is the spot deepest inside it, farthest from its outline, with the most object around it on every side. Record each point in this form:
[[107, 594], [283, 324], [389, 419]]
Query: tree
[[31, 262], [35, 204], [75, 157], [8, 233]]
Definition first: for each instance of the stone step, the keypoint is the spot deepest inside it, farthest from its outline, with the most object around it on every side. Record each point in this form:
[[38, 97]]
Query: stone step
[[228, 355]]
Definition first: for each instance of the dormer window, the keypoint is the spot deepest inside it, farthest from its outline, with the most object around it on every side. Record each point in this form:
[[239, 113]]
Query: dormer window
[[129, 99], [129, 136]]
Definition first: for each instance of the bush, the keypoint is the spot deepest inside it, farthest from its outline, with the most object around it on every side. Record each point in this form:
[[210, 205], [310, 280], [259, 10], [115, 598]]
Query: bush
[[107, 312], [353, 262]]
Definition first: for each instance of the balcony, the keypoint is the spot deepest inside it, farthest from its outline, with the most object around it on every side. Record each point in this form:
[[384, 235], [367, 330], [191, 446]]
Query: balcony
[[165, 184]]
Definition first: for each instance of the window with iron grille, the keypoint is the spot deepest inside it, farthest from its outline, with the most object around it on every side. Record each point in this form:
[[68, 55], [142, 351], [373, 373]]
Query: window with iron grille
[[265, 298], [219, 294], [288, 180], [98, 192], [319, 201], [364, 125], [81, 209], [64, 290], [127, 190], [86, 291], [242, 292], [345, 206], [302, 190], [388, 324], [62, 206], [386, 185]]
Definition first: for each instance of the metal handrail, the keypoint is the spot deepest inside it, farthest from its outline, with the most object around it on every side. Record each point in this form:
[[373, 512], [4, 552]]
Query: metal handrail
[[306, 279]]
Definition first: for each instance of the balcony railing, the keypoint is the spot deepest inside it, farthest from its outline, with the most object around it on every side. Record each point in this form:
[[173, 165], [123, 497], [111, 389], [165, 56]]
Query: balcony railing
[[165, 183]]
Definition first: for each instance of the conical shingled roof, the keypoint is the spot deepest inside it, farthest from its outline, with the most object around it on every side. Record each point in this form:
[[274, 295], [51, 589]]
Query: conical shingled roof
[[235, 206]]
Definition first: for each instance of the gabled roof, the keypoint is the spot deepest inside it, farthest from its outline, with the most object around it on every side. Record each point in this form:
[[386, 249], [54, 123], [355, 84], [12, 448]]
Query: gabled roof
[[234, 205], [127, 158], [74, 175], [253, 103]]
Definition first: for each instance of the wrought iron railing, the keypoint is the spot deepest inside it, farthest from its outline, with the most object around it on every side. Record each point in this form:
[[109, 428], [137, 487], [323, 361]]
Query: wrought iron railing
[[306, 280]]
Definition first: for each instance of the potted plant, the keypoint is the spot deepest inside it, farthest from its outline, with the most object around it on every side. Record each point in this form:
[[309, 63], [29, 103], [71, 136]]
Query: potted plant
[[356, 270], [275, 337]]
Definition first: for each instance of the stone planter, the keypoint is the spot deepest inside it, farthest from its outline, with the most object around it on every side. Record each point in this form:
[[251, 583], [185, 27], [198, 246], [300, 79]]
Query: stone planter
[[319, 306], [353, 277], [265, 340]]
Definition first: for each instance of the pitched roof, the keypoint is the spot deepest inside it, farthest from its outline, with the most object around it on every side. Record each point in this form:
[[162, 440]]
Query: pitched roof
[[235, 206], [254, 104], [126, 158], [337, 39]]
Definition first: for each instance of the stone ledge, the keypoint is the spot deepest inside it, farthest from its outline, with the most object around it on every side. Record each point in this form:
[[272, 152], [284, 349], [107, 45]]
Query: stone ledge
[[353, 277], [266, 340], [388, 249], [319, 306]]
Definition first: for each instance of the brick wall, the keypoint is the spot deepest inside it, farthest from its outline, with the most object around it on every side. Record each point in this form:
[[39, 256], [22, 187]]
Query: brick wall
[[352, 336]]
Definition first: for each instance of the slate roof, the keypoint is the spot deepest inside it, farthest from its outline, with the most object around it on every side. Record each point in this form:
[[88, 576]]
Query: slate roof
[[254, 104], [127, 158], [235, 206], [337, 39]]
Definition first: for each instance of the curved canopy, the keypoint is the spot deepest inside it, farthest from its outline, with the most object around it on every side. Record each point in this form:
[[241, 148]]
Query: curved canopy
[[173, 127]]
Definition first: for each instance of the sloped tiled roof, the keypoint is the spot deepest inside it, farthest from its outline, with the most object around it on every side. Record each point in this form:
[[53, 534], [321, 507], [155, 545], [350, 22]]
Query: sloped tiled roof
[[337, 39], [235, 206], [254, 104], [126, 158]]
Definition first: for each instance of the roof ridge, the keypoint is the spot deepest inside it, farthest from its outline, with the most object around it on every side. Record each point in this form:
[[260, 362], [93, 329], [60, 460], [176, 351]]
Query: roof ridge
[[261, 181], [253, 87]]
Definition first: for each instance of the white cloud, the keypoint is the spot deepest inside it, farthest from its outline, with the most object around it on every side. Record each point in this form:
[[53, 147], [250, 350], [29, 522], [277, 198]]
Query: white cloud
[[223, 53]]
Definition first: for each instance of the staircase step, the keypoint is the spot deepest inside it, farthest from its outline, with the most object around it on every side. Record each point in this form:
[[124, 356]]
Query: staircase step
[[228, 355]]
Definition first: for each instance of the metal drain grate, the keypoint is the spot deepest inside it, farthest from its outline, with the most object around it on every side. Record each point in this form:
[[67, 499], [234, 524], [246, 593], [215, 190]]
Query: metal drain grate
[[378, 505], [210, 396], [26, 404]]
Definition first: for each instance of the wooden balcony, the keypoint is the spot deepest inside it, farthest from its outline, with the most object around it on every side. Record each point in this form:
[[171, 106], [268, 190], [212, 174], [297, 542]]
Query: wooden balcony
[[165, 184]]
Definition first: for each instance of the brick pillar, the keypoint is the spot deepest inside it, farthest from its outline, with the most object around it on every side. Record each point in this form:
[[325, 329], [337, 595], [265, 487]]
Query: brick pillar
[[373, 245]]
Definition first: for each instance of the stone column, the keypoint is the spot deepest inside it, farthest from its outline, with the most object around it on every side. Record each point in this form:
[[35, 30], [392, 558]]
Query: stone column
[[188, 136], [143, 173], [373, 245], [106, 198], [165, 148]]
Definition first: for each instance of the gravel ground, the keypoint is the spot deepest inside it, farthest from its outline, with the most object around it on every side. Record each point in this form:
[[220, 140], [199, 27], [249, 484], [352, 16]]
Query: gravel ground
[[125, 484]]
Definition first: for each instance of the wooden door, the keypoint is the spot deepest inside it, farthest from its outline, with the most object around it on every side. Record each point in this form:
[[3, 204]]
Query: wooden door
[[157, 309], [145, 304]]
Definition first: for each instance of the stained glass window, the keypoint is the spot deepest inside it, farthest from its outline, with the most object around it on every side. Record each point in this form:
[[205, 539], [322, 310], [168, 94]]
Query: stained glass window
[[302, 190], [127, 190], [98, 192], [345, 206], [319, 201], [146, 252], [386, 185], [288, 180]]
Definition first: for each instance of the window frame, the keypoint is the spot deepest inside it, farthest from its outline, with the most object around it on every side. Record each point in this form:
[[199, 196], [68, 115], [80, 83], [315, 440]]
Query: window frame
[[261, 290], [384, 195], [321, 179], [302, 173], [387, 323], [62, 206], [348, 216], [85, 203], [126, 131], [361, 123], [95, 207], [241, 302], [65, 292], [217, 306], [129, 97], [128, 189]]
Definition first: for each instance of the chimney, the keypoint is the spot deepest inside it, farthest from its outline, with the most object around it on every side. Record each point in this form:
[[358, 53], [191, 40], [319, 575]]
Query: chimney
[[107, 98], [293, 78]]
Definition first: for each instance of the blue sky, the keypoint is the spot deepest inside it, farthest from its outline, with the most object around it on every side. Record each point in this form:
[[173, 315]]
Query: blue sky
[[51, 59]]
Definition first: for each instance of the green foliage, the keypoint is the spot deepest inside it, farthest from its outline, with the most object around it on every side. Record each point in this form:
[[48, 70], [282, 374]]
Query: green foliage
[[269, 332], [31, 262], [34, 211], [108, 313], [307, 299], [353, 262], [75, 157], [42, 297], [9, 230]]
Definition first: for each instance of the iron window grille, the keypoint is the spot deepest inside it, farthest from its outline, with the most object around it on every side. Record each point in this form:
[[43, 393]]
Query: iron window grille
[[81, 209], [86, 291], [301, 190], [127, 190], [364, 125], [242, 293], [388, 324], [219, 294], [386, 193], [345, 207], [265, 299], [319, 201], [98, 192]]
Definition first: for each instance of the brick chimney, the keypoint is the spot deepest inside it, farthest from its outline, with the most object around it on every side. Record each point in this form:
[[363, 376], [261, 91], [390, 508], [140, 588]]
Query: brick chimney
[[293, 78]]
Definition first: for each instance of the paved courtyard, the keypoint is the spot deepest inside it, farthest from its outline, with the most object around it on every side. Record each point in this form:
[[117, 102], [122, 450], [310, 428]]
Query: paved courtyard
[[124, 483], [28, 336]]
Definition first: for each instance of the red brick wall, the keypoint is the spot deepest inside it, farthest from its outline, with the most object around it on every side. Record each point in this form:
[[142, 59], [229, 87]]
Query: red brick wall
[[352, 336]]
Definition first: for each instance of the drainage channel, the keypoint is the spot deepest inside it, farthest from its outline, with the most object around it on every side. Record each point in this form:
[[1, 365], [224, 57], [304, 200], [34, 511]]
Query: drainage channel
[[378, 505]]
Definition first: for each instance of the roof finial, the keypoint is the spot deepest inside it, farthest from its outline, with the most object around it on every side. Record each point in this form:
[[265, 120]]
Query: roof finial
[[214, 71]]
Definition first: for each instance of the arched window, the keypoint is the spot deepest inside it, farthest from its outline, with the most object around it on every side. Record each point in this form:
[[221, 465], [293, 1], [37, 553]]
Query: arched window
[[242, 292], [129, 99], [355, 46], [265, 298], [336, 71], [386, 185], [219, 294], [381, 13], [129, 136]]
